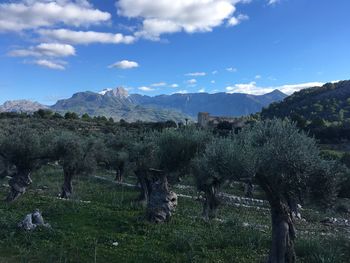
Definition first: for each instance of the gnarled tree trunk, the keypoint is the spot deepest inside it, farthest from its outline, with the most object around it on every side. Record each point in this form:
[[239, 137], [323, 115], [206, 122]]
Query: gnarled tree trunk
[[248, 189], [162, 202], [67, 187], [18, 183], [211, 203], [283, 235], [118, 176], [283, 230], [145, 186], [293, 206]]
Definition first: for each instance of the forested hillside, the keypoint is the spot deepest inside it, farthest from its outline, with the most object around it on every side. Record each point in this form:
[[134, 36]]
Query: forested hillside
[[325, 111]]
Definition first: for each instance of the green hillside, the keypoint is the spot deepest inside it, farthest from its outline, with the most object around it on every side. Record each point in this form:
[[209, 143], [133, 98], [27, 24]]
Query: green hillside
[[325, 111]]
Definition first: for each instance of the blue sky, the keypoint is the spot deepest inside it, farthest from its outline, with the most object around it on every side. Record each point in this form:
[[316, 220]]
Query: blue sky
[[52, 49]]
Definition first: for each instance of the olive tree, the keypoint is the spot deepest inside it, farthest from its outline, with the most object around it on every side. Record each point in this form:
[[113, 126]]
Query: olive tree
[[116, 153], [23, 151], [175, 148], [142, 156], [77, 155], [217, 164], [286, 160]]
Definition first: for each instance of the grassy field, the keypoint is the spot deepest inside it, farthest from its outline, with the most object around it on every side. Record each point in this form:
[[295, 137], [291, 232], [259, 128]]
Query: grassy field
[[102, 213]]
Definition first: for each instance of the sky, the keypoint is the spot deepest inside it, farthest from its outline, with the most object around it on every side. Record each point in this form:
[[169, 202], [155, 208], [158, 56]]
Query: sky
[[50, 50]]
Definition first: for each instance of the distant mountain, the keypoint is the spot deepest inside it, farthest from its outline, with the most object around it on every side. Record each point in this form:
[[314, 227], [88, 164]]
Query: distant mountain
[[219, 104], [117, 104], [21, 106], [329, 103]]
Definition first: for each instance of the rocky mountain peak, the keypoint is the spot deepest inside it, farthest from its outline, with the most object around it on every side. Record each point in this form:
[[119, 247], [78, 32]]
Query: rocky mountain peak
[[118, 92]]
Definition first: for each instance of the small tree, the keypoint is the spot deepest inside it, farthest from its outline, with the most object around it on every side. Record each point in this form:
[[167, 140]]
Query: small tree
[[142, 156], [116, 153], [24, 151], [175, 148], [218, 163], [77, 155]]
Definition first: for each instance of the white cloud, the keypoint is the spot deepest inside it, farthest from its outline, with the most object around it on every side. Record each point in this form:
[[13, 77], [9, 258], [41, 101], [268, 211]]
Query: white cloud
[[191, 81], [214, 72], [201, 90], [174, 85], [164, 16], [45, 49], [272, 2], [289, 89], [258, 77], [50, 64], [196, 74], [231, 69], [30, 14], [252, 88], [146, 89], [213, 82], [86, 37], [124, 64], [234, 21], [159, 84]]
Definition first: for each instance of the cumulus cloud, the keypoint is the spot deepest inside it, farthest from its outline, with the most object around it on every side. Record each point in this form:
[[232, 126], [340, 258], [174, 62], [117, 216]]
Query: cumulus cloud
[[201, 90], [85, 37], [196, 74], [45, 49], [174, 85], [252, 88], [124, 64], [30, 14], [50, 64], [146, 89], [164, 16]]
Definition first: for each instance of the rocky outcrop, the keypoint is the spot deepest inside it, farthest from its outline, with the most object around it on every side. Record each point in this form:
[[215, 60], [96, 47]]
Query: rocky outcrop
[[32, 221]]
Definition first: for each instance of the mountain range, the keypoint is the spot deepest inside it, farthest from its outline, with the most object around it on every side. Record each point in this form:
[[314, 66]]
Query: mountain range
[[119, 104]]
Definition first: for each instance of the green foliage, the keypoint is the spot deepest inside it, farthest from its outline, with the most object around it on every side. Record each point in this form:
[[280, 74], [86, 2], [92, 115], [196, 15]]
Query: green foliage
[[71, 116], [324, 111], [77, 154], [289, 162], [25, 147], [219, 162], [177, 147]]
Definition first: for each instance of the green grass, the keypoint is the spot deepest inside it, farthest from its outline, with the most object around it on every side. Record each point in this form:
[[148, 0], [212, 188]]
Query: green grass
[[85, 232]]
